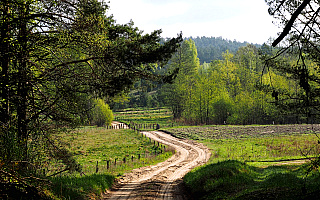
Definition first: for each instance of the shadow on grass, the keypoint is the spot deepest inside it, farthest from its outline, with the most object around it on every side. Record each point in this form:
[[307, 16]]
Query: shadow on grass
[[237, 180], [85, 187]]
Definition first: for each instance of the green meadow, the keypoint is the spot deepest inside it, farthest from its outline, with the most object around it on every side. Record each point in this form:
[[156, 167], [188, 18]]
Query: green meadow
[[104, 155]]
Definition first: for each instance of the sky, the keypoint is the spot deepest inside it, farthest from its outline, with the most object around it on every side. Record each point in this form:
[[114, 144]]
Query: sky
[[241, 20]]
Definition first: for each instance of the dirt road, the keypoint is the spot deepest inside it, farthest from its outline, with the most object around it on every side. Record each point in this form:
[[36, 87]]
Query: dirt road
[[162, 181]]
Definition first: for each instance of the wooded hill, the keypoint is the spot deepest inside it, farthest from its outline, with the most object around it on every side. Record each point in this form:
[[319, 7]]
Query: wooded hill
[[211, 48]]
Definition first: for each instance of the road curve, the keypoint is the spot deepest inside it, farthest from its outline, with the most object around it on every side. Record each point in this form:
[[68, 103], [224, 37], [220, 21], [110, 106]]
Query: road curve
[[161, 181]]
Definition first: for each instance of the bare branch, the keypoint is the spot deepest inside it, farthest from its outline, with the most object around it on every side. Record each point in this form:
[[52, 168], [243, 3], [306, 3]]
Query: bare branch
[[289, 25]]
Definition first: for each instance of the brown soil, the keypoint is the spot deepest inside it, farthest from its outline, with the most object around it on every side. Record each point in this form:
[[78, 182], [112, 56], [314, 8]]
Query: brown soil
[[238, 132], [162, 181]]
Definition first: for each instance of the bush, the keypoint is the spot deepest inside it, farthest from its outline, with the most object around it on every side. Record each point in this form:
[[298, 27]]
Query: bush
[[101, 113]]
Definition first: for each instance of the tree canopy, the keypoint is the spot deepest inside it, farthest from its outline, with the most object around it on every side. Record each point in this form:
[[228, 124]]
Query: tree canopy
[[54, 57], [298, 56]]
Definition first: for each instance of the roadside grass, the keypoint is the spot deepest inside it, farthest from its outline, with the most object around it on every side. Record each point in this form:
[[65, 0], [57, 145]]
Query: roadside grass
[[97, 149], [236, 180], [239, 167]]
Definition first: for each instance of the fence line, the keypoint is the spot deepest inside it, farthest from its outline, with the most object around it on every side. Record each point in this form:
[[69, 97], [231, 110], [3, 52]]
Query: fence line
[[110, 164]]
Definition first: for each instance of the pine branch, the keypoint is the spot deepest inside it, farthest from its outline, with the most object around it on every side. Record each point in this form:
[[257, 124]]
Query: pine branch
[[288, 27]]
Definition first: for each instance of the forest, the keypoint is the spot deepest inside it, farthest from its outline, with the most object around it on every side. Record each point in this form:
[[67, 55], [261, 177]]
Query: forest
[[237, 89], [211, 48], [59, 61]]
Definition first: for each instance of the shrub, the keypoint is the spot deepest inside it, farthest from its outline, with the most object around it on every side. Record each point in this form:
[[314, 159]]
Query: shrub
[[101, 113]]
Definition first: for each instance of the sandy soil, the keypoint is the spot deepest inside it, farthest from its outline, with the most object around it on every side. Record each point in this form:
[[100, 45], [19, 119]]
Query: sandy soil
[[161, 181]]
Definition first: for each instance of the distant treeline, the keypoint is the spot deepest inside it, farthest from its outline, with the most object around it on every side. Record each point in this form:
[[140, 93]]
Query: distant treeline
[[211, 48]]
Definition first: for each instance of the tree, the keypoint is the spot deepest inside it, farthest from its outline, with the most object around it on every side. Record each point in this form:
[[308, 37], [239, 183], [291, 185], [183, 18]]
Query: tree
[[299, 56], [53, 54], [308, 11], [101, 113], [186, 63]]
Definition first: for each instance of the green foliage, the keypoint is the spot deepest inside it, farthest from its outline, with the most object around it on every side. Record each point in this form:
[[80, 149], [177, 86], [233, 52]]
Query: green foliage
[[187, 64], [55, 55], [211, 48], [101, 113], [297, 58], [223, 91]]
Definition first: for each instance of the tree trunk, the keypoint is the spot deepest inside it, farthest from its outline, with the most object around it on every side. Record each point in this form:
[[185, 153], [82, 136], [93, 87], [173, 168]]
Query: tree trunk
[[22, 90], [5, 59]]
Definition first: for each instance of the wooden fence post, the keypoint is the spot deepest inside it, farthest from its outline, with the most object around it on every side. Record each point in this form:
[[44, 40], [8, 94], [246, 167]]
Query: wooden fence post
[[97, 167]]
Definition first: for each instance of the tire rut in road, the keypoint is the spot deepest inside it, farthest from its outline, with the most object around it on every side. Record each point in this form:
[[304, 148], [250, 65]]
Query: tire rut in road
[[163, 180]]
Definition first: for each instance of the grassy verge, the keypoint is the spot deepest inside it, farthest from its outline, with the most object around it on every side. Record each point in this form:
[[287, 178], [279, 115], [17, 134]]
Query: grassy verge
[[238, 169], [104, 155], [237, 180]]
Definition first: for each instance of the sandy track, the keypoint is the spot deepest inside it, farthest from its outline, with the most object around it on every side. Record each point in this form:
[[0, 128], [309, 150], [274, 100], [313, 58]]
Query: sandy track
[[162, 181], [119, 125]]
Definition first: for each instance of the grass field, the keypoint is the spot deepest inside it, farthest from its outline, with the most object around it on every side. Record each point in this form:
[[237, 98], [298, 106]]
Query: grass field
[[96, 149], [255, 143], [147, 118], [238, 167]]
